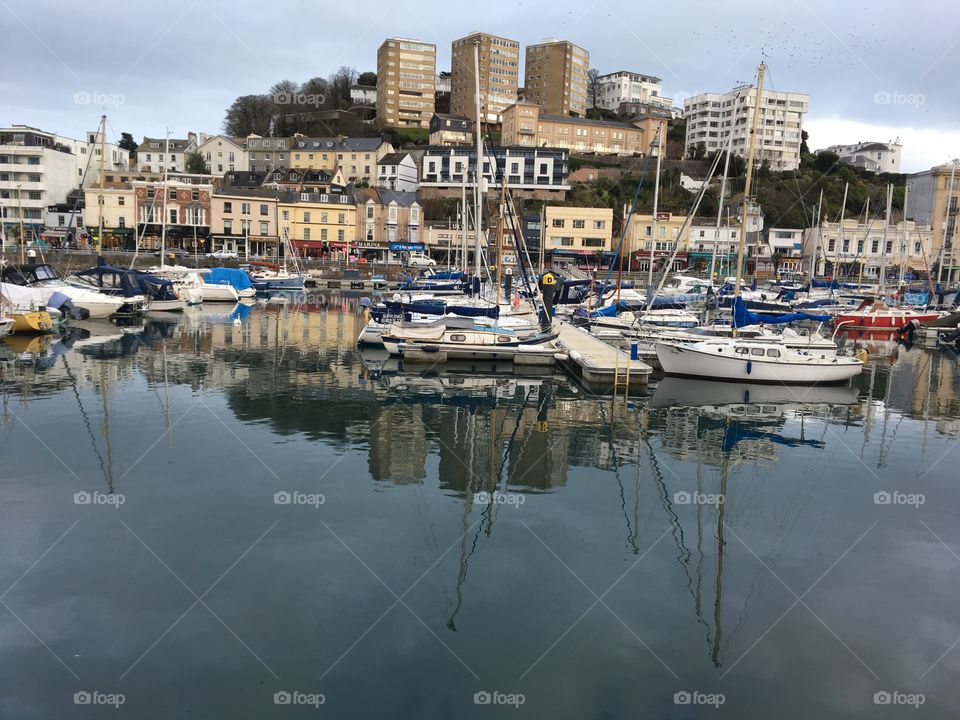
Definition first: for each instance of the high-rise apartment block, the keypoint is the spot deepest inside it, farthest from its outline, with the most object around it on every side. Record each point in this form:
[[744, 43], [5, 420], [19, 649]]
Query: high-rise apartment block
[[406, 83], [499, 75], [556, 77]]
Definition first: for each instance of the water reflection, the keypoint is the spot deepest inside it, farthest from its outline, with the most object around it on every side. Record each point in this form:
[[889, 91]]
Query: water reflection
[[463, 437]]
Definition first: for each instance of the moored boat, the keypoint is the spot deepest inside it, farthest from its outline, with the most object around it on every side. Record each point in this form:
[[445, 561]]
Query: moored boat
[[875, 314]]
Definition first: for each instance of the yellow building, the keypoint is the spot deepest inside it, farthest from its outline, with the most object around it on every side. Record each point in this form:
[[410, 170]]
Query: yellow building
[[314, 153], [933, 198], [499, 76], [661, 237], [556, 77], [318, 222], [406, 83], [525, 124], [577, 229]]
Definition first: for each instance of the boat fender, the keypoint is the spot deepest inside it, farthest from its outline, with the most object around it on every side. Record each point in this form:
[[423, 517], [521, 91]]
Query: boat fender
[[749, 366], [862, 355]]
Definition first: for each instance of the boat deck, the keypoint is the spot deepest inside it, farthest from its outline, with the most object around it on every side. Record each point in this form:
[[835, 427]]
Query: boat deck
[[598, 362]]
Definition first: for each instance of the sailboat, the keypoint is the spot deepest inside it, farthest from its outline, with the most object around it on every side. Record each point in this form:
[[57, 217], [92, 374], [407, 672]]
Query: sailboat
[[269, 276], [750, 359]]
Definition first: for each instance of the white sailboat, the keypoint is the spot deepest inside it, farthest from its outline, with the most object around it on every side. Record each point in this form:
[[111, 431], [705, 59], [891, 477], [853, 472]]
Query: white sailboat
[[750, 359]]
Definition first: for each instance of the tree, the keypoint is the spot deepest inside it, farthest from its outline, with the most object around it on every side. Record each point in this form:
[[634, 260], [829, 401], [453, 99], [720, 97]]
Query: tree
[[826, 161], [340, 83], [196, 164], [593, 86], [127, 142], [804, 136], [367, 78], [249, 114]]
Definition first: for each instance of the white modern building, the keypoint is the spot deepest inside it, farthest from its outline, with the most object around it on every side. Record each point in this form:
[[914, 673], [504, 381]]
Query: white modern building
[[363, 95], [153, 154], [712, 117], [397, 171], [87, 153], [37, 169], [629, 87], [873, 156], [223, 154]]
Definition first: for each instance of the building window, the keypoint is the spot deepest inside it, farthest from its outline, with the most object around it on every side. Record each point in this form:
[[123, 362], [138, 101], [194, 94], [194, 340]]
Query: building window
[[579, 224], [558, 222], [599, 224], [341, 235], [323, 234], [228, 207], [263, 209], [120, 200], [264, 228], [306, 216], [306, 233]]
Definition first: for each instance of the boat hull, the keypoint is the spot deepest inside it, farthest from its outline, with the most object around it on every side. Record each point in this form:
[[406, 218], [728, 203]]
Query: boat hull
[[881, 321], [219, 293], [37, 321], [718, 362], [166, 305]]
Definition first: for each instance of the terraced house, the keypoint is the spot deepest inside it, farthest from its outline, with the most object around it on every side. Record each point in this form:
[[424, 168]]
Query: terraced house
[[244, 215], [318, 223]]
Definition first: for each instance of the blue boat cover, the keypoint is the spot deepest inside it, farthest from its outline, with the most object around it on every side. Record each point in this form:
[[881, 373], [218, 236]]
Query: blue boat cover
[[238, 279], [743, 317]]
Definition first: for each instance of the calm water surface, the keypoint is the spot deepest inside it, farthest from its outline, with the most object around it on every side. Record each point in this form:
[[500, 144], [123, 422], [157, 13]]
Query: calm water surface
[[240, 516]]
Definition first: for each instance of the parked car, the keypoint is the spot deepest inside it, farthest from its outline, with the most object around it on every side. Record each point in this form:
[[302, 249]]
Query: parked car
[[420, 260], [223, 255]]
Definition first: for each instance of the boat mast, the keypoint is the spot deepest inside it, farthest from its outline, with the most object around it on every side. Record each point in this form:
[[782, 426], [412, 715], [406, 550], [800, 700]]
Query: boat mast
[[463, 218], [905, 236], [163, 218], [886, 229], [843, 211], [946, 223], [477, 220], [100, 200], [761, 69], [817, 238], [723, 188], [656, 205]]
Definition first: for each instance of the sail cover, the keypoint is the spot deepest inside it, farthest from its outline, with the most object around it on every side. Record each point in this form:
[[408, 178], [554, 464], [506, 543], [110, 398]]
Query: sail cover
[[743, 317]]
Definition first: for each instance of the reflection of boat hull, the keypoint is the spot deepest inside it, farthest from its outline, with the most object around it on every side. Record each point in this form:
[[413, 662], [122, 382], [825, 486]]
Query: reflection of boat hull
[[36, 321], [293, 282], [720, 362], [693, 392]]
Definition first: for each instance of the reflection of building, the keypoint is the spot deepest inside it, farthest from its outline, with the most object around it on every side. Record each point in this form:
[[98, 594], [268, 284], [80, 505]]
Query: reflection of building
[[398, 444]]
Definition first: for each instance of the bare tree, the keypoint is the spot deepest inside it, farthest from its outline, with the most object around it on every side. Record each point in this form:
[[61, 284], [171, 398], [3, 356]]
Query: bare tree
[[593, 86]]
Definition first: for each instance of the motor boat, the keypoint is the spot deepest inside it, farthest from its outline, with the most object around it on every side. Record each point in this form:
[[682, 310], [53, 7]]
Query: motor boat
[[41, 275], [462, 339], [148, 291], [239, 280], [267, 276], [874, 314]]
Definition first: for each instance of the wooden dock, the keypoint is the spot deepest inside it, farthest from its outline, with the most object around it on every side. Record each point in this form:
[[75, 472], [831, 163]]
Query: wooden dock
[[597, 362]]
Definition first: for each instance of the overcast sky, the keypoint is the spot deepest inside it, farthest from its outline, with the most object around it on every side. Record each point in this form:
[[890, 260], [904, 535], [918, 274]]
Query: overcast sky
[[874, 71]]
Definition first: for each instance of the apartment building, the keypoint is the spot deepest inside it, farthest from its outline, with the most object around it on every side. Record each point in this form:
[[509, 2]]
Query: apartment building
[[537, 173], [37, 169], [87, 152], [526, 125], [577, 230], [268, 153], [873, 156], [448, 129], [499, 74], [932, 199], [624, 86], [842, 248], [406, 83], [713, 117], [319, 222], [389, 223], [644, 237], [357, 158], [155, 154], [223, 154], [183, 202], [244, 215], [555, 77]]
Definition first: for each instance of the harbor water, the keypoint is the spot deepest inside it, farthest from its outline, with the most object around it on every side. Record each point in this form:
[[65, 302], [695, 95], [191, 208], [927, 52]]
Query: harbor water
[[237, 514]]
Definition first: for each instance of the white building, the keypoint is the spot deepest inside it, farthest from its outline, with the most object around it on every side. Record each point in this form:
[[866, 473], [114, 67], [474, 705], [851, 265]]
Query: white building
[[153, 154], [363, 94], [223, 154], [629, 87], [839, 249], [712, 117], [37, 169], [397, 171], [87, 153], [874, 156]]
